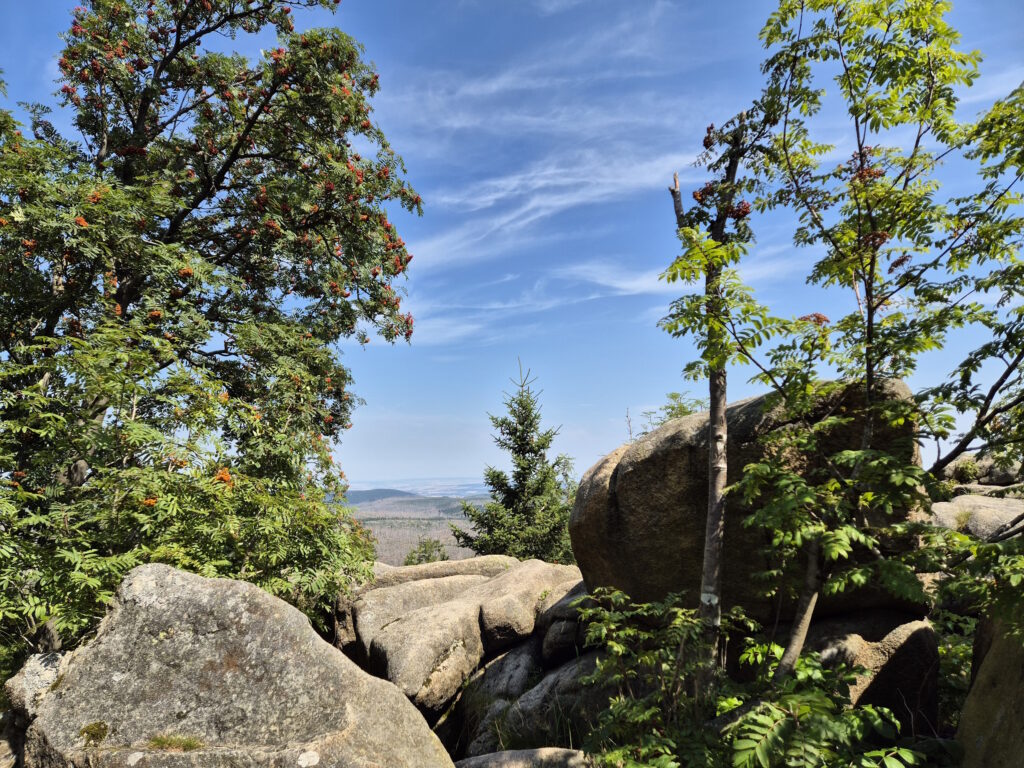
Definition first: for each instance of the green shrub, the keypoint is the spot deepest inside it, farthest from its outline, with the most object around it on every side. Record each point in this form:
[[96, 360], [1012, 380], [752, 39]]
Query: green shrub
[[653, 719], [966, 470], [427, 550], [528, 514]]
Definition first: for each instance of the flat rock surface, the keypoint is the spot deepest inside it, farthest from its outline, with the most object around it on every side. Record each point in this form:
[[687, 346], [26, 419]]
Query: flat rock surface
[[980, 516], [485, 565], [234, 673]]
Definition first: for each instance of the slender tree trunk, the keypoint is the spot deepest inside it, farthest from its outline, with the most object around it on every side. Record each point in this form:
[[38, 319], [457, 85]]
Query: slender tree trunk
[[804, 613], [714, 531], [711, 577]]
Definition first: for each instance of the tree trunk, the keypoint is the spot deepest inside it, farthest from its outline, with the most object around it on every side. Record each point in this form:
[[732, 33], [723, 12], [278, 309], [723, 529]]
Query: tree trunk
[[711, 576], [804, 613]]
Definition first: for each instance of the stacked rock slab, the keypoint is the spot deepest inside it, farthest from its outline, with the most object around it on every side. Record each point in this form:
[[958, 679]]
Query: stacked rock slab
[[639, 517], [187, 671], [489, 648], [428, 629], [391, 576]]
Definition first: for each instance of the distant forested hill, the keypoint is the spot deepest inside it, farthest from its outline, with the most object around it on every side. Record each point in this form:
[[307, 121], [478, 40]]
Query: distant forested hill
[[375, 494], [398, 520]]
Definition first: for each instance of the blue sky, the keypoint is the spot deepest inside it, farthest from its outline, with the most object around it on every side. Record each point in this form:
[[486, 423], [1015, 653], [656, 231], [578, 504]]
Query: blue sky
[[542, 135]]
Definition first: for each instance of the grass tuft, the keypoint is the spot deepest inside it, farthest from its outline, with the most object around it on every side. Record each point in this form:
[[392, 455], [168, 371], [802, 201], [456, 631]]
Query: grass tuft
[[175, 743]]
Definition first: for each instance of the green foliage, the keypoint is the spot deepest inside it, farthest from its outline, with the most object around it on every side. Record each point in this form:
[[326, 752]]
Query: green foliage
[[916, 265], [173, 291], [956, 649], [648, 666], [678, 404], [528, 514], [427, 550], [649, 654], [801, 496], [966, 470], [919, 264]]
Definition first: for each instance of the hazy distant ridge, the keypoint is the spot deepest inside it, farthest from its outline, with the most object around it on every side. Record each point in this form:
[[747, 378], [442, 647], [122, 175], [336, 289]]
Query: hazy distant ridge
[[375, 494], [398, 519]]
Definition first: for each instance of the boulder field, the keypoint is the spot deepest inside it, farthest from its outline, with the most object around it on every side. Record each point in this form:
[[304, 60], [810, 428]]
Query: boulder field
[[488, 649], [461, 660]]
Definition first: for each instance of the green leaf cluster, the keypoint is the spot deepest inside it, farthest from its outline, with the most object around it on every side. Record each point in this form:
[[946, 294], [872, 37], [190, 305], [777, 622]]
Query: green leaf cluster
[[648, 666], [173, 291]]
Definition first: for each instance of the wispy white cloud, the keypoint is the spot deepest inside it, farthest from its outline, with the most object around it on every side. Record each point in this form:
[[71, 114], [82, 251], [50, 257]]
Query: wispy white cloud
[[440, 330], [551, 7], [501, 213], [584, 176], [992, 86], [617, 278]]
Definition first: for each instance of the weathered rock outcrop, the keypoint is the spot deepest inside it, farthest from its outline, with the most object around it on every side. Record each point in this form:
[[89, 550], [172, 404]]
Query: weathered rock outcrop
[[187, 671], [990, 725], [516, 700], [26, 689], [529, 758], [562, 634], [474, 725], [10, 744], [639, 518], [390, 576], [984, 470], [428, 629], [558, 710], [979, 516], [901, 659]]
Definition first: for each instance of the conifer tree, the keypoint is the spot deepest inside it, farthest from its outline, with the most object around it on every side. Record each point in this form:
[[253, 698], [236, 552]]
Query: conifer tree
[[528, 514]]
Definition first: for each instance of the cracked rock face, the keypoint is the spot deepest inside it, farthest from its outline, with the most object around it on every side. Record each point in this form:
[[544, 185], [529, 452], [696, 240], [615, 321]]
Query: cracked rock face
[[188, 671], [429, 633]]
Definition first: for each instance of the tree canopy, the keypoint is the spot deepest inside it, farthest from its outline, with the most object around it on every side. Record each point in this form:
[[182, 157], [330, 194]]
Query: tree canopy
[[174, 289]]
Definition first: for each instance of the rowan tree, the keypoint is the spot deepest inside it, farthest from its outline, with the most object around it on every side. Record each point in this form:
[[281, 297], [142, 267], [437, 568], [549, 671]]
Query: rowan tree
[[175, 284], [916, 264], [910, 265], [715, 233]]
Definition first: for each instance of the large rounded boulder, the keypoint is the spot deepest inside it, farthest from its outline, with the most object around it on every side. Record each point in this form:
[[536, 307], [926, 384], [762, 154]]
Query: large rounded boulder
[[640, 512], [990, 725], [189, 671]]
